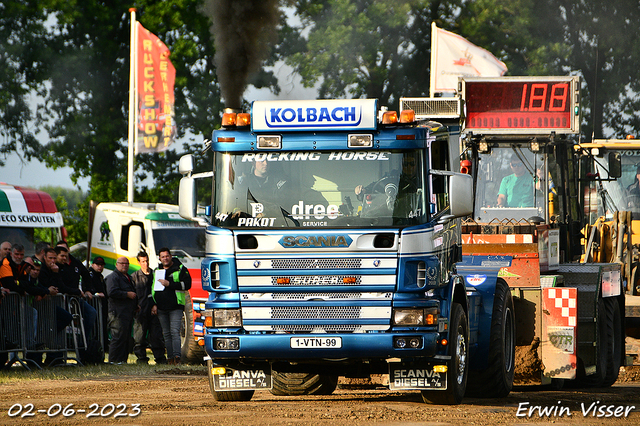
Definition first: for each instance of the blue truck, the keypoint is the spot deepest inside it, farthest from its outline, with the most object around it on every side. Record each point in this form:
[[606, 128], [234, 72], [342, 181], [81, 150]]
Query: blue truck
[[346, 240], [333, 233]]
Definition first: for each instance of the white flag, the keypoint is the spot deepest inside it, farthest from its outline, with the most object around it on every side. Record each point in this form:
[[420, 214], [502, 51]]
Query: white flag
[[453, 56]]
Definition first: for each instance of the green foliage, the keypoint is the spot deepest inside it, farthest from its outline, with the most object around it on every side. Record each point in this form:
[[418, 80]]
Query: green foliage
[[353, 47], [21, 29], [73, 204], [89, 89], [381, 49]]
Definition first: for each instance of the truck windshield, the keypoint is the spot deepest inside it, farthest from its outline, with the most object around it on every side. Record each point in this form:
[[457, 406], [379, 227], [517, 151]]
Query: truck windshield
[[616, 195], [512, 184], [181, 241], [316, 189]]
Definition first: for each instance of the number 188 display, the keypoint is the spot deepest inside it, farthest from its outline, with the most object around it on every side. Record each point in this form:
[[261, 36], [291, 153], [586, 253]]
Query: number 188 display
[[530, 105]]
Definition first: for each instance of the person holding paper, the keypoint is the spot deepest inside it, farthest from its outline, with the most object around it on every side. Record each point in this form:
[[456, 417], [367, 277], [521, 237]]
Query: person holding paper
[[123, 304], [146, 329], [175, 281]]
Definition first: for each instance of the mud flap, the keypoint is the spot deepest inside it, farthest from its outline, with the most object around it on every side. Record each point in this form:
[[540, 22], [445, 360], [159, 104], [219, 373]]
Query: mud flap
[[229, 379], [410, 376], [559, 322]]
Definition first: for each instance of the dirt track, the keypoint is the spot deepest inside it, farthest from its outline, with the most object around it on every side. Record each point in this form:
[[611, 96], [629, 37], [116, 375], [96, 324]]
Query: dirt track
[[177, 398]]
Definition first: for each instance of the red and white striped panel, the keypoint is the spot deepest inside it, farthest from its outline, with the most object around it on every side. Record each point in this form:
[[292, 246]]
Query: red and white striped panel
[[565, 304]]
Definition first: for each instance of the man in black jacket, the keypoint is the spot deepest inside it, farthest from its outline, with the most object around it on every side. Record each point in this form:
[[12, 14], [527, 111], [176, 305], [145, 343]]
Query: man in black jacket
[[98, 288], [123, 304], [173, 281], [147, 330], [70, 274], [62, 318]]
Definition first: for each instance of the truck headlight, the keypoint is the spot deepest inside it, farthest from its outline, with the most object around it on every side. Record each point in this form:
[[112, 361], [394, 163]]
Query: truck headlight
[[227, 318], [415, 316]]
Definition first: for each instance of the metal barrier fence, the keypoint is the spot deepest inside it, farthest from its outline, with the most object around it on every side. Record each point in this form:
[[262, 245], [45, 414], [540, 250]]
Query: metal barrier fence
[[32, 327]]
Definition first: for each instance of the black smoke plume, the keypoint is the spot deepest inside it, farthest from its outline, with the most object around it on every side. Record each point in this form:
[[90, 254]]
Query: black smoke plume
[[242, 31]]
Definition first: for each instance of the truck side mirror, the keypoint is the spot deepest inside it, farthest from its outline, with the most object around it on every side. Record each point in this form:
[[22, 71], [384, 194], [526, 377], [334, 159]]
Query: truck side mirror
[[185, 166], [461, 194], [615, 165], [187, 197], [135, 238]]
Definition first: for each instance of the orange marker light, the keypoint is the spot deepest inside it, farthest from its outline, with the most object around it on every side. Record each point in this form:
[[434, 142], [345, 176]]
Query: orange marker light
[[407, 116], [390, 117], [243, 119], [229, 119]]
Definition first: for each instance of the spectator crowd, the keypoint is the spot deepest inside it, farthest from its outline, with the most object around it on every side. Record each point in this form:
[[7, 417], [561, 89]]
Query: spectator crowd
[[120, 314]]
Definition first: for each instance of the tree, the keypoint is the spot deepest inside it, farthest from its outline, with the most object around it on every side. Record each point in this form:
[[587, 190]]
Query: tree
[[589, 38], [353, 48], [21, 29], [73, 205], [88, 95], [382, 49], [605, 51]]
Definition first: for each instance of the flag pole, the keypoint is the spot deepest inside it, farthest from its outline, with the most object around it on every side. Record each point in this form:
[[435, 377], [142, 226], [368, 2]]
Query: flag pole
[[432, 69], [133, 107]]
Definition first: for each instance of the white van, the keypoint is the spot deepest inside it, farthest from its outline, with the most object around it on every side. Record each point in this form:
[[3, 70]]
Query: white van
[[123, 229]]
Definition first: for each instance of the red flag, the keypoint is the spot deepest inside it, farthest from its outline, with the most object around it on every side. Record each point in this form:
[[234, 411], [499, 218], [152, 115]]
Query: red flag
[[156, 77]]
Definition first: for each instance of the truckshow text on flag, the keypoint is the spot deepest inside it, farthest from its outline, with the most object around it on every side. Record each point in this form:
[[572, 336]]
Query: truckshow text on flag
[[156, 128]]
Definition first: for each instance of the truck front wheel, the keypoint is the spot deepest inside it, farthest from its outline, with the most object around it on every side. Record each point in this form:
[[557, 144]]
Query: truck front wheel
[[190, 351], [244, 395], [496, 380], [287, 384], [459, 365]]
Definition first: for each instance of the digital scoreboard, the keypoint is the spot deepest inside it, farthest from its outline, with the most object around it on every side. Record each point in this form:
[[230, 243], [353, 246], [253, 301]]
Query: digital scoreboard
[[521, 105]]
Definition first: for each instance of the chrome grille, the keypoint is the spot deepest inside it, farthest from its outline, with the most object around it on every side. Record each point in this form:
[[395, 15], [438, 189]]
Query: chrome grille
[[293, 328], [306, 296], [336, 312], [316, 263], [432, 108], [315, 280]]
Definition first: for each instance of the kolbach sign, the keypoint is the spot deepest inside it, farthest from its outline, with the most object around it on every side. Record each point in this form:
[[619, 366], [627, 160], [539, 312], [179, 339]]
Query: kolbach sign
[[350, 114]]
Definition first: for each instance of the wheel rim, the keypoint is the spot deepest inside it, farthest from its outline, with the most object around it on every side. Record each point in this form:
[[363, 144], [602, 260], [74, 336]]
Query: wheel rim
[[509, 340], [461, 355], [183, 329]]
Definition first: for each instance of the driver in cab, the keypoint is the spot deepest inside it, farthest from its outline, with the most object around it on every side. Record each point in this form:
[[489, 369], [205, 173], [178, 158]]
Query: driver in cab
[[516, 189], [393, 185], [260, 182]]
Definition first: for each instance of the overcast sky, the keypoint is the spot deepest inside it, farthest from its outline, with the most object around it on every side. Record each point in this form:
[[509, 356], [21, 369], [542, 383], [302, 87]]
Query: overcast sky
[[36, 174]]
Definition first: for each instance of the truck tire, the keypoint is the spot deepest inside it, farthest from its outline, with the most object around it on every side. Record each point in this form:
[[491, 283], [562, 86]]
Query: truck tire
[[596, 380], [244, 395], [615, 340], [190, 351], [458, 368], [496, 380], [288, 384]]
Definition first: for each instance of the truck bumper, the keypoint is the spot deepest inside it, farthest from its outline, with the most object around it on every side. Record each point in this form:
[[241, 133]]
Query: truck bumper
[[271, 347]]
